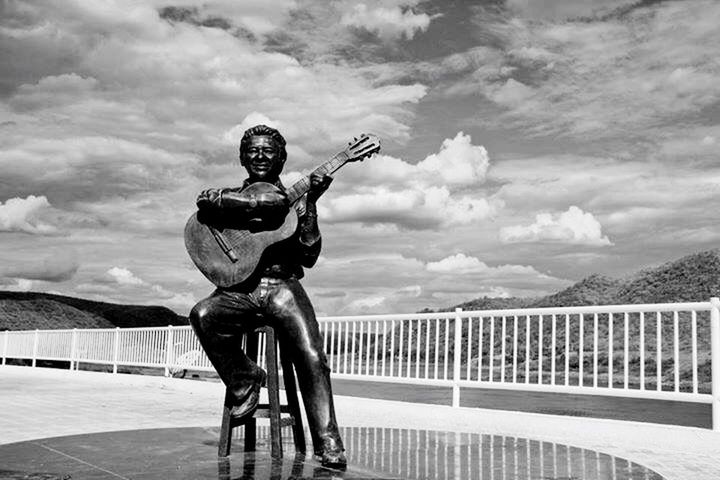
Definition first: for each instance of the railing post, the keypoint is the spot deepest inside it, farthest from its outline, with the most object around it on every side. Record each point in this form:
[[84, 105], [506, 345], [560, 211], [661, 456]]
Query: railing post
[[73, 349], [35, 348], [169, 350], [715, 359], [457, 352], [115, 349], [5, 346]]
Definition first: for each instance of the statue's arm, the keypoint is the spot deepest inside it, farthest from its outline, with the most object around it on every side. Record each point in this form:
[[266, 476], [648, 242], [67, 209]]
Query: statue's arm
[[243, 203], [310, 239]]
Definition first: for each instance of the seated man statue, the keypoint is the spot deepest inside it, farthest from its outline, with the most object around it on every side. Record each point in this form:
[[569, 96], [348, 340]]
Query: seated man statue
[[271, 295]]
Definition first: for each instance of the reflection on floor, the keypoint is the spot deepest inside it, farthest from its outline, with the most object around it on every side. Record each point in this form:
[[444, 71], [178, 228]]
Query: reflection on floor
[[191, 453]]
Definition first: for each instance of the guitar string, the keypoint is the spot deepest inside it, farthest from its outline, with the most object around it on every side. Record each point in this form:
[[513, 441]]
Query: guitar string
[[301, 186]]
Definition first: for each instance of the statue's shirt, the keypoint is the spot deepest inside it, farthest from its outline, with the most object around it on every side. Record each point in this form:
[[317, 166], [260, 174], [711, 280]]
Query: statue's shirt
[[283, 259]]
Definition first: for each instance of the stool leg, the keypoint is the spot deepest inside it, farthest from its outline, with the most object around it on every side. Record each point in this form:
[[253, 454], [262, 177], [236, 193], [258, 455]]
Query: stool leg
[[250, 425], [225, 428], [273, 394], [250, 435], [293, 403]]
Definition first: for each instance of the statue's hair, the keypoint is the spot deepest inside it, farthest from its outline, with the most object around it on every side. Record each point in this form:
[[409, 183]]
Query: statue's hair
[[263, 130]]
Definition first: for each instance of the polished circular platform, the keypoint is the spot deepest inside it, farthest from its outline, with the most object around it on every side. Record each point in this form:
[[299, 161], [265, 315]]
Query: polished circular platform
[[191, 453]]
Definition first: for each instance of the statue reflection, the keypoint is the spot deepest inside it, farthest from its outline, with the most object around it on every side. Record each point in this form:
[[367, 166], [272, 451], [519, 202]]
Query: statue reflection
[[432, 455], [256, 468]]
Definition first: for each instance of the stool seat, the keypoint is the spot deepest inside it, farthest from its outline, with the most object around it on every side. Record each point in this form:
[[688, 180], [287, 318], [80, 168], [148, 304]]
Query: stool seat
[[273, 409]]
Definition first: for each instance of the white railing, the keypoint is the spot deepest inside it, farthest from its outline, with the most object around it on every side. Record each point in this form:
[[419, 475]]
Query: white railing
[[659, 351]]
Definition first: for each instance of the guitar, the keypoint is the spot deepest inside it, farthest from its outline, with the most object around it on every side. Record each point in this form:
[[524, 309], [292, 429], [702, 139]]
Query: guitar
[[228, 254]]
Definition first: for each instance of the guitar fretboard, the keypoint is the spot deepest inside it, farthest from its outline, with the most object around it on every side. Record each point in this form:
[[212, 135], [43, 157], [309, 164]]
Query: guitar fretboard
[[302, 186]]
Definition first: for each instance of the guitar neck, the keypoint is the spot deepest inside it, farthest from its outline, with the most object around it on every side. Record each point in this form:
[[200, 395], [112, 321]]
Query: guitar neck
[[302, 186]]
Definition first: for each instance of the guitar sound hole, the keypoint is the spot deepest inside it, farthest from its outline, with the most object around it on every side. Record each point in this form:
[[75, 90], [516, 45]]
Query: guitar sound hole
[[253, 225], [256, 225]]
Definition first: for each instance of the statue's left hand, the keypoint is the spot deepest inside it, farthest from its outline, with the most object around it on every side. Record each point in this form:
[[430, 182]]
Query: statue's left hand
[[318, 184]]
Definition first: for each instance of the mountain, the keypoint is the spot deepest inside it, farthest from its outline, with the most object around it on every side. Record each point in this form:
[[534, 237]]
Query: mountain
[[31, 310], [493, 303], [691, 278], [592, 290]]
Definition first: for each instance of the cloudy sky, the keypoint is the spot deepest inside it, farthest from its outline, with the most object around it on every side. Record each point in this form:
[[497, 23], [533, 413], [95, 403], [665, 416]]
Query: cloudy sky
[[527, 143]]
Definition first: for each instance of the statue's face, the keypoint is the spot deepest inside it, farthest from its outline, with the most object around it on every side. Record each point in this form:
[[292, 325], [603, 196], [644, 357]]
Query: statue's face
[[262, 159]]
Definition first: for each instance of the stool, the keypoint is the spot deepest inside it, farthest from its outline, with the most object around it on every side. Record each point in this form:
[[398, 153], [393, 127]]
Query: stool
[[273, 409]]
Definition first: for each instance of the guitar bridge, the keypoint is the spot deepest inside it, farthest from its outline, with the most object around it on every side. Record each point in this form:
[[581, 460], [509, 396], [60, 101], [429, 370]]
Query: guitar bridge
[[224, 246]]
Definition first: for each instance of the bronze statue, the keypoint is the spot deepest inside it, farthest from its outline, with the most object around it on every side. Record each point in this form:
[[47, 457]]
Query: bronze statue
[[253, 242]]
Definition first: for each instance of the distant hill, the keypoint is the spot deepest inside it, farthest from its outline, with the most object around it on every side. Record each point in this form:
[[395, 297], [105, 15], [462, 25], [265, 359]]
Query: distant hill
[[31, 310], [691, 278], [592, 290], [695, 277], [494, 303]]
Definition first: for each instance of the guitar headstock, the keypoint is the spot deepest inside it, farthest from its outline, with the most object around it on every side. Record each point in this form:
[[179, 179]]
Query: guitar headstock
[[362, 147]]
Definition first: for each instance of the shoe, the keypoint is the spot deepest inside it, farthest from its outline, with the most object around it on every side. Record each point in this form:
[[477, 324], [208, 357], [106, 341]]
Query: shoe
[[334, 460], [333, 454], [247, 405]]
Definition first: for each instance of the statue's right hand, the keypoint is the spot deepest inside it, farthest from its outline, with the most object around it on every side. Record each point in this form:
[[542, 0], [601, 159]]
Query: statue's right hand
[[208, 197]]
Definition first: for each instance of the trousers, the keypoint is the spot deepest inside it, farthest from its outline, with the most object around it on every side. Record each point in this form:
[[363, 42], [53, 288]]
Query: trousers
[[221, 319]]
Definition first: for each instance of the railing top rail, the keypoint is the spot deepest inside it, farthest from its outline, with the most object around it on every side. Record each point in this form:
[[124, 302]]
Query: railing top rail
[[56, 330], [631, 308], [163, 327]]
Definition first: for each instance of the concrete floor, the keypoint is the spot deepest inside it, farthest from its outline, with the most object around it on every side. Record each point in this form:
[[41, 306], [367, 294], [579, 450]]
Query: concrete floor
[[39, 403]]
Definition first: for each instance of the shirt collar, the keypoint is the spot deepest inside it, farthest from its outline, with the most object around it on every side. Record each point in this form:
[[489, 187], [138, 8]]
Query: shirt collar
[[277, 183]]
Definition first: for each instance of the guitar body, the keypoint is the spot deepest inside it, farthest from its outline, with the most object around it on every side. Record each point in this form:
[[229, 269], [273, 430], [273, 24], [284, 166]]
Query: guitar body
[[248, 244]]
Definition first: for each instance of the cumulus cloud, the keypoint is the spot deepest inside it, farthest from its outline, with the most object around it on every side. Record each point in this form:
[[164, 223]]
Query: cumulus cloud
[[464, 264], [410, 208], [23, 215], [180, 302], [18, 285], [388, 23], [123, 276], [458, 263], [53, 90], [419, 196], [572, 227], [234, 135], [120, 282], [458, 162], [395, 283], [511, 93], [59, 267]]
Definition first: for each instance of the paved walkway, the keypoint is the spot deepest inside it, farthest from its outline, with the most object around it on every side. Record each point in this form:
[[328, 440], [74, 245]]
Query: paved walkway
[[39, 403]]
